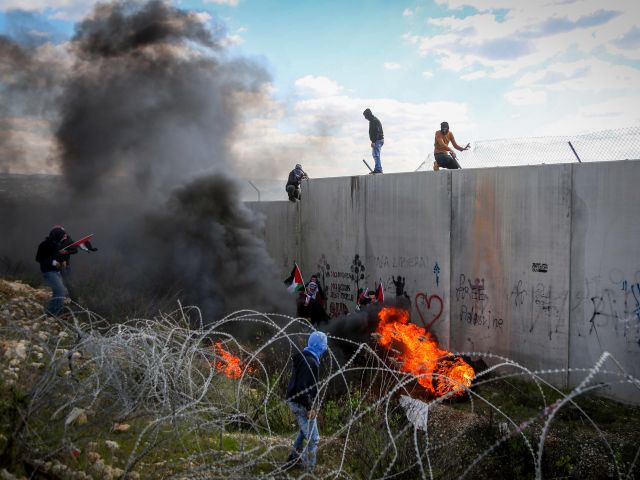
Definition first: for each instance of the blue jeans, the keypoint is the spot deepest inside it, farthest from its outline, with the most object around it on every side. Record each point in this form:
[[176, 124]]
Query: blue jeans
[[67, 280], [54, 280], [375, 153], [308, 431]]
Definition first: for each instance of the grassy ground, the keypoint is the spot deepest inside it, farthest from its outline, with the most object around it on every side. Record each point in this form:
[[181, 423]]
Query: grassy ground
[[246, 429]]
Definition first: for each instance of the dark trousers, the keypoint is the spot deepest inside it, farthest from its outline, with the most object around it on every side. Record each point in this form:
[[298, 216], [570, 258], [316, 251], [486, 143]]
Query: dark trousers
[[294, 192], [444, 160]]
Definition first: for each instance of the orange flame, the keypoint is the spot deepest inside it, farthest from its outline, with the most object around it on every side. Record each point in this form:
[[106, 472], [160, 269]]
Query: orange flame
[[417, 352], [228, 364]]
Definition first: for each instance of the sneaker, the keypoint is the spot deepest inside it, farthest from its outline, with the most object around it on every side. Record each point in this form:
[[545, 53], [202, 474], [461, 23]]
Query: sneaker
[[293, 460], [375, 172], [436, 167]]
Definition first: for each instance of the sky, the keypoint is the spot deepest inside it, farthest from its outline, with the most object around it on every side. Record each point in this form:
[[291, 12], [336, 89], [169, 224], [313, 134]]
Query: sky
[[491, 68]]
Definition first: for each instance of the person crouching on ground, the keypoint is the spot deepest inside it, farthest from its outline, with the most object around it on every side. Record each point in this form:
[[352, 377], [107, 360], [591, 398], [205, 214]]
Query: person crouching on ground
[[293, 183], [301, 398], [50, 260], [445, 156]]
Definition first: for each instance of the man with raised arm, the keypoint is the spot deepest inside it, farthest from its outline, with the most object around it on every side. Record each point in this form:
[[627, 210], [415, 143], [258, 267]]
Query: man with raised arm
[[445, 156]]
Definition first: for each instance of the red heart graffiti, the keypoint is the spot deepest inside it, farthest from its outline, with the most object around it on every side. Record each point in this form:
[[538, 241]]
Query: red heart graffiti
[[427, 301]]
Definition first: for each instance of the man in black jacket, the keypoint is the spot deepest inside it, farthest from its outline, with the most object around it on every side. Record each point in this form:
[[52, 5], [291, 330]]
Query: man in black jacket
[[50, 260], [301, 397], [376, 135], [293, 183]]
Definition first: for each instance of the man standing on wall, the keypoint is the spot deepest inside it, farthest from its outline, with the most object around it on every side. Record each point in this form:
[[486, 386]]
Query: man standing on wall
[[445, 156], [376, 135]]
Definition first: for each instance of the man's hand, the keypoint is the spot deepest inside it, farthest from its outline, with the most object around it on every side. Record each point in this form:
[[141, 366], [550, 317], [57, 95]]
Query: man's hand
[[467, 147], [312, 414]]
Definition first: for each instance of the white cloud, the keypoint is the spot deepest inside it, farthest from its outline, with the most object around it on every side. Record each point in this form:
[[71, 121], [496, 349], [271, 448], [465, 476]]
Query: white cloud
[[529, 34], [310, 86], [526, 96], [329, 135], [391, 66], [407, 12], [69, 10], [427, 74], [230, 3], [620, 112], [592, 76], [474, 75]]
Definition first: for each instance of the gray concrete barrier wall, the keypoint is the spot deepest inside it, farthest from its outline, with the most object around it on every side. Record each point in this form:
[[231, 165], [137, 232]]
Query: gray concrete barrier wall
[[280, 231], [605, 271], [510, 264], [540, 264]]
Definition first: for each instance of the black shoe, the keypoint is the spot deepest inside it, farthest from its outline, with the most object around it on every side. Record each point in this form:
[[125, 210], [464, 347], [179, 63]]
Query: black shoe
[[375, 172], [293, 460], [292, 199]]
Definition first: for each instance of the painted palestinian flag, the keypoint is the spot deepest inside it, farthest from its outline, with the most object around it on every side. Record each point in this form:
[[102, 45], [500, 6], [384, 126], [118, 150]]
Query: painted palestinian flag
[[294, 282], [380, 293], [80, 243]]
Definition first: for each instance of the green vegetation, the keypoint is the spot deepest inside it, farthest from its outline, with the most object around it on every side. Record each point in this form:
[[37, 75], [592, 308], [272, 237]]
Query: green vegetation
[[145, 400]]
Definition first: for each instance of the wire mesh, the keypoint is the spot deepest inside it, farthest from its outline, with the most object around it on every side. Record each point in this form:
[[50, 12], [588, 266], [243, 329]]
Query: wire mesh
[[606, 145]]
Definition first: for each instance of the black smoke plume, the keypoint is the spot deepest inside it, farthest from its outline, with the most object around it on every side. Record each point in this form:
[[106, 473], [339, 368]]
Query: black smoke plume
[[143, 122]]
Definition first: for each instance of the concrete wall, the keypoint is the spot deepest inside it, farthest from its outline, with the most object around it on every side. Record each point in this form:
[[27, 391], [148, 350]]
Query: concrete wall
[[605, 270], [540, 264], [281, 232], [508, 224]]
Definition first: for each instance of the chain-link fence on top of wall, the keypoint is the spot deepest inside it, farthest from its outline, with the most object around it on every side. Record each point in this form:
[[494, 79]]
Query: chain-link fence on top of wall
[[619, 144], [606, 145]]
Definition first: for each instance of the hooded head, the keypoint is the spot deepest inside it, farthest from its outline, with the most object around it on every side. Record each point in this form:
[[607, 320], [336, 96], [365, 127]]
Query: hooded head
[[298, 166], [444, 127], [312, 287], [367, 114], [57, 233], [317, 344]]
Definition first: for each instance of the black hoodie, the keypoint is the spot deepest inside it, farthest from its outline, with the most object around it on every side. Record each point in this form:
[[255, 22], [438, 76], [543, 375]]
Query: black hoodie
[[375, 127], [48, 251]]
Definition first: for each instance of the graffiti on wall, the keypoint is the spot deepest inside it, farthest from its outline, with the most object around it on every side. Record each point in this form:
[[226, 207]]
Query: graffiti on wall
[[429, 308], [538, 307], [475, 309], [611, 305]]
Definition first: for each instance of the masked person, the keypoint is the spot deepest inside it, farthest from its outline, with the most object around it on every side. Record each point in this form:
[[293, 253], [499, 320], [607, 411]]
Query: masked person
[[446, 157], [293, 183], [301, 398], [50, 260], [311, 303], [376, 135]]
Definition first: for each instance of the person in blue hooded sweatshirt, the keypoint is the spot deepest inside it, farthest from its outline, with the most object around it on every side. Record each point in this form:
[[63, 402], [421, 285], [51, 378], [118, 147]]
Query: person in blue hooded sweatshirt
[[301, 397]]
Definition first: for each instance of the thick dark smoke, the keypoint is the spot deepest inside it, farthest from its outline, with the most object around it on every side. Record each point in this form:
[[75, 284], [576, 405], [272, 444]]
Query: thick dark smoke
[[144, 119], [206, 240], [151, 98]]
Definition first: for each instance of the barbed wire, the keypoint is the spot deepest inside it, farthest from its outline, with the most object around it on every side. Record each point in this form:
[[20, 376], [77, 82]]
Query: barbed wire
[[159, 375]]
